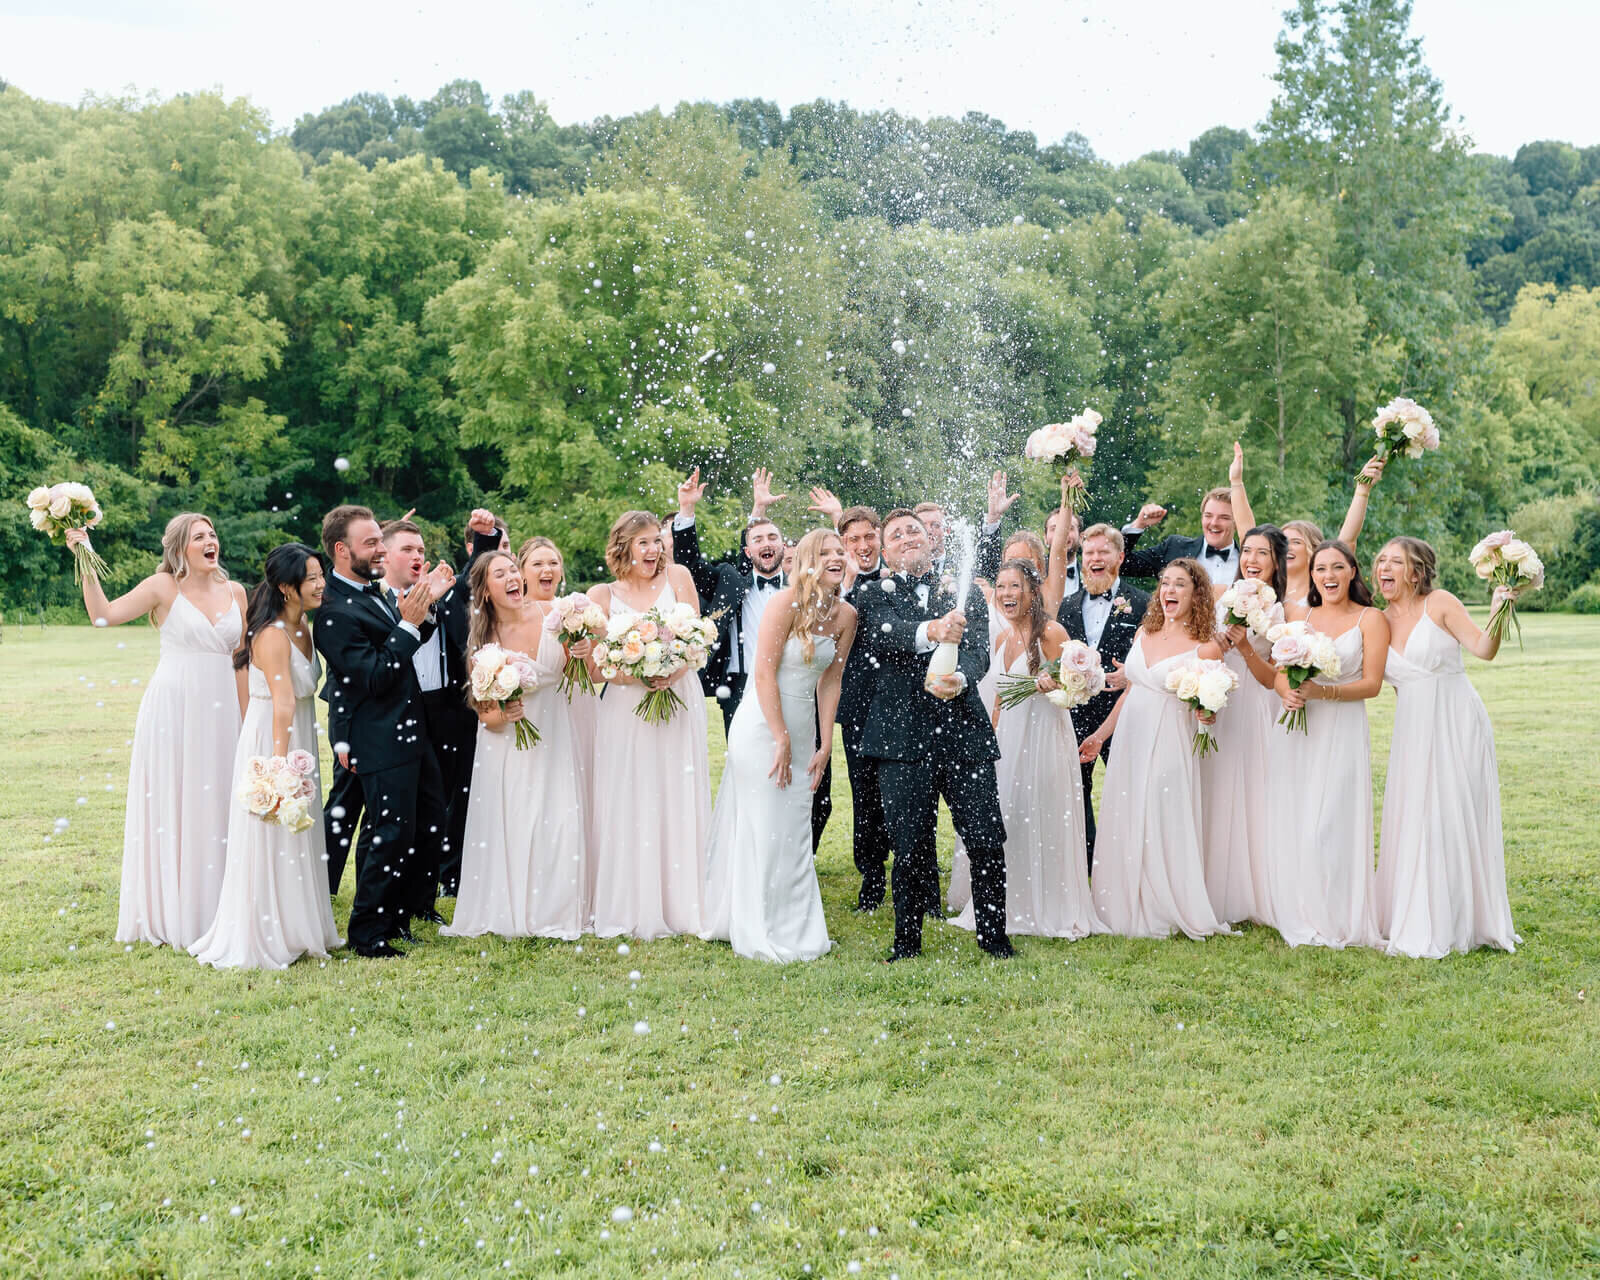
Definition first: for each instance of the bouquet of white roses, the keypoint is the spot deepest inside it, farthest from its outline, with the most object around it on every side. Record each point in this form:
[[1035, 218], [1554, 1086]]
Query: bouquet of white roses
[[1505, 560], [1066, 442], [68, 505], [1204, 684], [279, 789], [1300, 652], [1404, 426], [655, 645], [1250, 603], [500, 676], [1077, 672], [572, 619]]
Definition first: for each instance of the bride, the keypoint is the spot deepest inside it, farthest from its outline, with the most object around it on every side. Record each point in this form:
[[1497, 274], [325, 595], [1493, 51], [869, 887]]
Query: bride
[[761, 882]]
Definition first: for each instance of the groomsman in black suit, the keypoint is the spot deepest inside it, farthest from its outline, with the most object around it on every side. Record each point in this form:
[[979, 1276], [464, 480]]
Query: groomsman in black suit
[[367, 638], [441, 664], [989, 543], [1105, 615], [1215, 548], [931, 744], [738, 589]]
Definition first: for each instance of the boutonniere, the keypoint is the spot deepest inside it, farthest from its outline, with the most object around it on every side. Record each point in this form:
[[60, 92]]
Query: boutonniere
[[947, 582], [1121, 605]]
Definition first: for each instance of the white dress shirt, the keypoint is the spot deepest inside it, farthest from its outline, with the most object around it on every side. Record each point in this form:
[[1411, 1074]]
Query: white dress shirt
[[1221, 569], [1096, 613], [755, 604], [428, 660]]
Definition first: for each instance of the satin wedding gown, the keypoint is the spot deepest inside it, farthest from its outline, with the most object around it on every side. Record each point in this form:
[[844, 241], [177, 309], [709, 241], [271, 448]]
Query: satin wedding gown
[[652, 809], [1441, 856], [1236, 780], [523, 855], [274, 904], [761, 879], [180, 781], [1041, 797], [1321, 878], [1149, 880]]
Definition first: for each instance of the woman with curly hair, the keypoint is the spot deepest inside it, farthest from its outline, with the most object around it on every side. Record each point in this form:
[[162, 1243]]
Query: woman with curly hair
[[1148, 878]]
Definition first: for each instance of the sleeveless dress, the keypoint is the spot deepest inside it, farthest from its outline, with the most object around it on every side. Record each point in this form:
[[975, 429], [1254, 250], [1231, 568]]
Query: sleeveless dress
[[652, 809], [274, 904], [180, 781], [1321, 874], [1236, 780], [1441, 857], [761, 881], [1041, 797], [523, 854], [1149, 879]]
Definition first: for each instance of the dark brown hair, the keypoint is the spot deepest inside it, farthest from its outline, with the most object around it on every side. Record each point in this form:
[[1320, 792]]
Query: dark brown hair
[[336, 525], [850, 515], [1035, 620], [1359, 591], [1201, 623]]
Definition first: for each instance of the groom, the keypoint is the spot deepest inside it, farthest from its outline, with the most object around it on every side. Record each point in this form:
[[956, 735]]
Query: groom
[[932, 744]]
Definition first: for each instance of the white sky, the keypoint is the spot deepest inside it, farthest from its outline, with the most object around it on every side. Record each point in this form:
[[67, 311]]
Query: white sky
[[1133, 75]]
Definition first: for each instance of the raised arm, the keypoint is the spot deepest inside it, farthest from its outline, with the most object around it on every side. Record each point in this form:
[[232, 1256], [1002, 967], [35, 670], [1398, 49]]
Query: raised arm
[[155, 593], [1244, 518], [1453, 617], [1350, 530], [1055, 578]]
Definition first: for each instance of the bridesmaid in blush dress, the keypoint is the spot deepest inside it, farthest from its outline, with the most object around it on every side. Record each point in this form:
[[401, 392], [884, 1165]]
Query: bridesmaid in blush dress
[[1236, 777], [1322, 882], [1441, 855], [274, 904], [653, 811], [1148, 879], [522, 863], [1039, 784], [761, 878], [175, 833]]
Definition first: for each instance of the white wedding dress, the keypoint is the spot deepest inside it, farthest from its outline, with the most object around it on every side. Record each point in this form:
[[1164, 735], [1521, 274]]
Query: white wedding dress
[[273, 906], [1441, 857], [1149, 880], [1041, 798], [761, 881], [180, 781], [652, 808], [523, 855], [1321, 880]]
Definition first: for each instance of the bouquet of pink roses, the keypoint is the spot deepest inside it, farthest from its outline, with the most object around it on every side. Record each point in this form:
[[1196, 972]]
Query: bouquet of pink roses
[[279, 789], [655, 645], [500, 676], [1204, 684], [1066, 442], [1505, 560], [1250, 603], [1300, 652], [1077, 672], [572, 619], [1404, 426], [64, 506]]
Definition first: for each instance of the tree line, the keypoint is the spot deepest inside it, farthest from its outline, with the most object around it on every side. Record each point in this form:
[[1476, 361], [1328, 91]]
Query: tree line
[[464, 302]]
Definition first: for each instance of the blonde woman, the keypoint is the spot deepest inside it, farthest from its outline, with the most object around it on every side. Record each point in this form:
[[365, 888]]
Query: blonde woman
[[522, 856], [761, 881], [653, 803], [180, 779]]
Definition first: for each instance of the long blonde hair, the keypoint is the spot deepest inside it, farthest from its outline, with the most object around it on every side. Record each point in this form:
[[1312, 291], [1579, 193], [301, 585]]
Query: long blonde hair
[[813, 600], [174, 541]]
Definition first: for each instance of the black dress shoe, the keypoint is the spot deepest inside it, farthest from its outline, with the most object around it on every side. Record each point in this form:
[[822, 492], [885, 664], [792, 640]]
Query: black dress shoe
[[402, 935], [871, 896], [375, 950], [1000, 949], [865, 906], [897, 952], [430, 916]]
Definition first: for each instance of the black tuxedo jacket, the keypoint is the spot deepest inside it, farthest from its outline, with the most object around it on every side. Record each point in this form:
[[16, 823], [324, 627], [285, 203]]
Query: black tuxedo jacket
[[374, 700], [860, 678], [723, 585], [906, 722], [1115, 641], [1148, 562]]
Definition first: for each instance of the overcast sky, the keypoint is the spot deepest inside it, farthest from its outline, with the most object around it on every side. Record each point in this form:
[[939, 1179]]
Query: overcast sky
[[1133, 75]]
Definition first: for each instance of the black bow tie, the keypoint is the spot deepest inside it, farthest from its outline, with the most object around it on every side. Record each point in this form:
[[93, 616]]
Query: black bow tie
[[921, 580], [1218, 553], [376, 589], [1100, 595], [775, 581]]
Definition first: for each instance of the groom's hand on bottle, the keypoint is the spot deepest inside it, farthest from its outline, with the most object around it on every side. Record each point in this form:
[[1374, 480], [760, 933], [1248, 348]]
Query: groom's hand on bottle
[[948, 629], [947, 687]]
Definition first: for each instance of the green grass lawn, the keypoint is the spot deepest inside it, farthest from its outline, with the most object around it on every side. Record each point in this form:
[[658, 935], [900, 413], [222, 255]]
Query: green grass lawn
[[1102, 1108]]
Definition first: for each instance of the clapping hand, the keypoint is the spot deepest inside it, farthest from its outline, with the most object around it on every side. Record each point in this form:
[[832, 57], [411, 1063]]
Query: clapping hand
[[414, 605], [824, 502], [441, 579]]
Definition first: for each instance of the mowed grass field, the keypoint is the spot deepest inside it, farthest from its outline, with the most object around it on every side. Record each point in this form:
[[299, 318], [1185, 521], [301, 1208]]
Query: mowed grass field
[[1104, 1108]]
